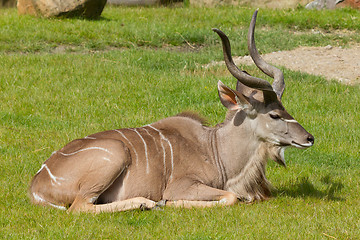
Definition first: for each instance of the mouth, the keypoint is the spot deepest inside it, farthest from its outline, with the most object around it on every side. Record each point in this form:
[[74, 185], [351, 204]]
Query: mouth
[[301, 146], [281, 147]]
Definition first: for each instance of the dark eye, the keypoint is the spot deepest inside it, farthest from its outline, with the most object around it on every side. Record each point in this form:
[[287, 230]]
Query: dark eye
[[274, 116]]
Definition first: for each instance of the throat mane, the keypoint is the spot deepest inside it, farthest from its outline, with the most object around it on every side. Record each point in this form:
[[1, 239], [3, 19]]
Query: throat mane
[[250, 183]]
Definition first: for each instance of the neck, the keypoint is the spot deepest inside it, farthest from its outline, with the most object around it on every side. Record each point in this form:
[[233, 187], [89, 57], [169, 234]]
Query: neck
[[244, 159], [216, 159]]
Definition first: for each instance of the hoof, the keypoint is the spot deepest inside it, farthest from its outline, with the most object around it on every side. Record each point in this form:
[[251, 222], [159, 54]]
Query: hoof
[[144, 207], [159, 205]]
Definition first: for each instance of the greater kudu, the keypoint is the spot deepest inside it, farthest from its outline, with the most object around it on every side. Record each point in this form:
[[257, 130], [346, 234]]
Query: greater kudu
[[178, 160]]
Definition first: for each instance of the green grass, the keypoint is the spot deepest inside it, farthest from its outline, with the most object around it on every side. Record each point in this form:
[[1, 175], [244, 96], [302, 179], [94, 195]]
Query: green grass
[[155, 27], [112, 75]]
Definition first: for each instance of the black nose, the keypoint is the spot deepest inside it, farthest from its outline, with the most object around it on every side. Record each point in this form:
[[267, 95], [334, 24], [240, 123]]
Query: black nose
[[311, 139]]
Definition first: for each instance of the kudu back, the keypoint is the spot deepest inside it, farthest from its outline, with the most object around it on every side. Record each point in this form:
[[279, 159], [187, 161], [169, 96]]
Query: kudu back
[[179, 161]]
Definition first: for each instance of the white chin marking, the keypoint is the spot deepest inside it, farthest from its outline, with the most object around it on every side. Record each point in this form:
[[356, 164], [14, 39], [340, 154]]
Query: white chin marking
[[306, 145]]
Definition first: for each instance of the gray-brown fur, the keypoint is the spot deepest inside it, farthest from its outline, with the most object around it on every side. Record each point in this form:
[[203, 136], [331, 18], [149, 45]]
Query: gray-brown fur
[[194, 116], [178, 159]]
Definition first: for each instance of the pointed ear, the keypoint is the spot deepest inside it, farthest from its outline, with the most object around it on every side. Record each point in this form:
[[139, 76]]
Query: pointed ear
[[231, 99], [270, 97]]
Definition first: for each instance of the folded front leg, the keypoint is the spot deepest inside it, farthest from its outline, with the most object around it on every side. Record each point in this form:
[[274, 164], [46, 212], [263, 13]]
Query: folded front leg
[[197, 195], [83, 205]]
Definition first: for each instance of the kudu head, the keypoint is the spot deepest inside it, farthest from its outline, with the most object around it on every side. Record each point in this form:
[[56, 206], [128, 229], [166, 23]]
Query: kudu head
[[260, 102]]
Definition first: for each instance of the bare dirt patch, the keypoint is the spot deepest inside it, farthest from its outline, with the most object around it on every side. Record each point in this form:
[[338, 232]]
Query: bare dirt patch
[[341, 64]]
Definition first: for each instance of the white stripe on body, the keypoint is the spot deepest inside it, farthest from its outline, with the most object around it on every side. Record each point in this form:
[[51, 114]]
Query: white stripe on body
[[162, 146], [151, 137], [54, 179], [171, 149], [86, 149], [42, 167], [132, 146], [145, 148], [123, 187], [40, 199], [87, 137]]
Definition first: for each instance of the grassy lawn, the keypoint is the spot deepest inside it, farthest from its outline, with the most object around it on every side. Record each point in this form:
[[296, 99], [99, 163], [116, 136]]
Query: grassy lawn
[[62, 79]]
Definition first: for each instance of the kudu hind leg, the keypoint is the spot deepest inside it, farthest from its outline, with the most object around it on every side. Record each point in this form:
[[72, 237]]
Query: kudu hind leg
[[99, 177]]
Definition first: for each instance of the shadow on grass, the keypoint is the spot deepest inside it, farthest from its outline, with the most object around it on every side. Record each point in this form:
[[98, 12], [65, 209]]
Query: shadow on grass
[[304, 188]]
